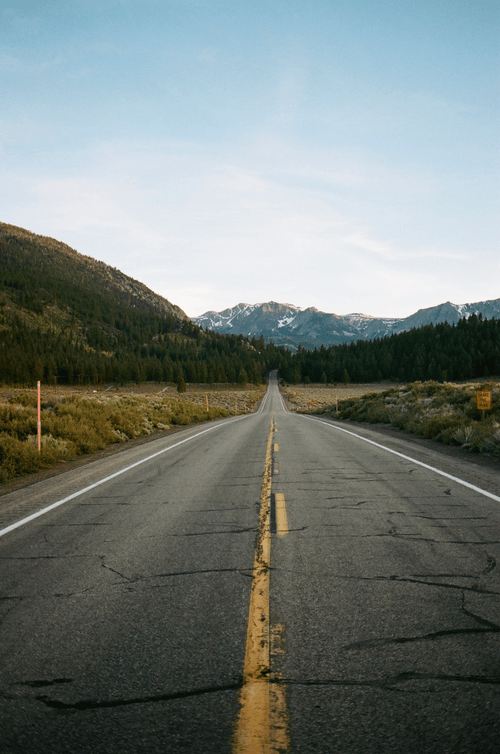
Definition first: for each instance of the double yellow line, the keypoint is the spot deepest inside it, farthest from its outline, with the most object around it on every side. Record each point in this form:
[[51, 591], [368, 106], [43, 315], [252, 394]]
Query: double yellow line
[[262, 724]]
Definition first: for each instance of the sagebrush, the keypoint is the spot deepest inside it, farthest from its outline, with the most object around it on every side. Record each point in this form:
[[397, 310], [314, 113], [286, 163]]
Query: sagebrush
[[77, 425], [443, 412]]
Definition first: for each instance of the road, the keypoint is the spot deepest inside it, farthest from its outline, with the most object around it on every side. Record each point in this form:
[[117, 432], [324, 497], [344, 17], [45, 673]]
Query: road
[[267, 583]]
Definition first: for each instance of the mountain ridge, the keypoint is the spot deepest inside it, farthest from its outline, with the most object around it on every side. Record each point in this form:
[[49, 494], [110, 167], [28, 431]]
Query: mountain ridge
[[108, 279], [291, 326]]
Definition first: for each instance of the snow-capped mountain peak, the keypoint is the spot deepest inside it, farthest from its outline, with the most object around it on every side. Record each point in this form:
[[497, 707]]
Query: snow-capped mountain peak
[[289, 325]]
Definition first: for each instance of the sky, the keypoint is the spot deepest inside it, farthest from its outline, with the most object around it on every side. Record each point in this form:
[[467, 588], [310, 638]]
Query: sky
[[341, 154]]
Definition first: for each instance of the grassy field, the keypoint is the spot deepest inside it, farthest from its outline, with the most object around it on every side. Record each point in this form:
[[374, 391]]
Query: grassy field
[[445, 412], [311, 398], [81, 421]]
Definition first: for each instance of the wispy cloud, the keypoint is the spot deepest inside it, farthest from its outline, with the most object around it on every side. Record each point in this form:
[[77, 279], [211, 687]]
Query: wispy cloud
[[332, 155], [170, 211]]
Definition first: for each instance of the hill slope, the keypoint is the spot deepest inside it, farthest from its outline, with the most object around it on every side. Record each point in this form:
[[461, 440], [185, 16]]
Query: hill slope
[[44, 271], [68, 317]]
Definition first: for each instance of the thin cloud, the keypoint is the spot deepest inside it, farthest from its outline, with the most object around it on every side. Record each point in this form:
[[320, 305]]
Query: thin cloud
[[169, 212]]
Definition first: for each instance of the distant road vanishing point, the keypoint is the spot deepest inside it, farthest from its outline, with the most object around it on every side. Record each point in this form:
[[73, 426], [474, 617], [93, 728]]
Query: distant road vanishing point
[[265, 583]]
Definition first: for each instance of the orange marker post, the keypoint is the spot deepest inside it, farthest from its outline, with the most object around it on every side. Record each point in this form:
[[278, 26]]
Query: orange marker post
[[39, 422]]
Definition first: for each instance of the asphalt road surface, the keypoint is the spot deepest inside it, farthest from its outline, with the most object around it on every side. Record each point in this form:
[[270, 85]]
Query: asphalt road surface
[[267, 583]]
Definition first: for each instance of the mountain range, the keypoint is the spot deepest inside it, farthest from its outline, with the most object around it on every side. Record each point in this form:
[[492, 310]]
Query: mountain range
[[290, 326]]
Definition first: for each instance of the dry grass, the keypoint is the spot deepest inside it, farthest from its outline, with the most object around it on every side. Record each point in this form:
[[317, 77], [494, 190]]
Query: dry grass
[[307, 398], [218, 394], [445, 412], [237, 401], [79, 421]]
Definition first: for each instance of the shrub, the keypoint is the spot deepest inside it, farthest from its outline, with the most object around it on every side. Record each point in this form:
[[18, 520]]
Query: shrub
[[443, 412], [19, 458], [461, 435], [24, 399], [17, 421], [79, 425]]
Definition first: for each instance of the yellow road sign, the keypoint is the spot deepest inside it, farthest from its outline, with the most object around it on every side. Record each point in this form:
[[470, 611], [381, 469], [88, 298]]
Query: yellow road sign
[[483, 398]]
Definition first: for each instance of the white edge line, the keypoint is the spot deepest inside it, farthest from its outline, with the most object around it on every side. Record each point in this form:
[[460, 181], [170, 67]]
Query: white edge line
[[41, 512], [264, 399], [407, 458], [280, 397], [263, 403], [282, 402]]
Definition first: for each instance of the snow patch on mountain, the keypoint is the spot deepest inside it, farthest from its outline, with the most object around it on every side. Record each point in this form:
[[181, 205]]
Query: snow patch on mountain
[[285, 321], [286, 324]]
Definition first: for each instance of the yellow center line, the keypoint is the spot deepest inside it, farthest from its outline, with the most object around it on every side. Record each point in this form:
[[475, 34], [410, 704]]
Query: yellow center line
[[281, 517], [262, 724], [276, 447]]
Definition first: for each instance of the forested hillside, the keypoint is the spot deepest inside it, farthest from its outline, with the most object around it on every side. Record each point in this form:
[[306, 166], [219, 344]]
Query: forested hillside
[[468, 349], [67, 317]]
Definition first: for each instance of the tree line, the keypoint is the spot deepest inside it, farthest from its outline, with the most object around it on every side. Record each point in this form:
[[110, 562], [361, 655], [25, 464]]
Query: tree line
[[465, 350], [171, 351], [49, 355]]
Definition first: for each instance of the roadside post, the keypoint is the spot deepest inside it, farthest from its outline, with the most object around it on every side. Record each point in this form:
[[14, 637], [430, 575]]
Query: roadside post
[[39, 422], [483, 398], [206, 399]]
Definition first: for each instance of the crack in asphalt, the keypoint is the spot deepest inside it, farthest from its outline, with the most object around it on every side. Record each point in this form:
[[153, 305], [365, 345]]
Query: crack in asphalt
[[42, 683], [451, 518], [351, 507], [98, 505], [242, 571], [172, 574], [205, 533], [219, 510], [102, 497], [406, 579], [93, 704], [91, 523], [113, 570], [479, 619], [227, 486], [390, 682], [491, 564], [370, 643], [39, 557], [302, 528], [413, 538]]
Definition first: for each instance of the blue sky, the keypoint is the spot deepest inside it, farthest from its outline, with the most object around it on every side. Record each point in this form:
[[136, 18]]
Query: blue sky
[[343, 155]]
